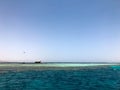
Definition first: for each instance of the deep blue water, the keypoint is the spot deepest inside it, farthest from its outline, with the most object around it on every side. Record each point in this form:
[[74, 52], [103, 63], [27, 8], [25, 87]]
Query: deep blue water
[[82, 79]]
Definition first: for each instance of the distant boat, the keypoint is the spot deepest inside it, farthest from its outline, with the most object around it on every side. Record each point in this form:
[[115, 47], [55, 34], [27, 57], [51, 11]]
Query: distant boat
[[38, 62]]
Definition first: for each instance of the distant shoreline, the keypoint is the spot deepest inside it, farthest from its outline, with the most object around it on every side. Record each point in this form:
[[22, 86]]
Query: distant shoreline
[[53, 66], [60, 62]]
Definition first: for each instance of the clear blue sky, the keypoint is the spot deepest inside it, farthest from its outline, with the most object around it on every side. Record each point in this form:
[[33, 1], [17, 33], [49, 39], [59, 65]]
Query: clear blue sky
[[60, 30]]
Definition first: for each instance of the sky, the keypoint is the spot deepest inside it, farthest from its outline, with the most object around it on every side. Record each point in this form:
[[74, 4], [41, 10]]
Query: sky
[[60, 30]]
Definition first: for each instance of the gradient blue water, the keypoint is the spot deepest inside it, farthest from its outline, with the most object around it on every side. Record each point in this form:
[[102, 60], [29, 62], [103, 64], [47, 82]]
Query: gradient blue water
[[82, 79]]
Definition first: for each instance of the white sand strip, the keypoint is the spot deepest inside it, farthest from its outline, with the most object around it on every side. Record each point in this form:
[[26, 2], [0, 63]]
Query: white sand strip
[[53, 65]]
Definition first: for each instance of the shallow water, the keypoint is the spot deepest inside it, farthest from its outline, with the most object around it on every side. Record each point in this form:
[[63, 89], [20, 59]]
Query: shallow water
[[104, 78]]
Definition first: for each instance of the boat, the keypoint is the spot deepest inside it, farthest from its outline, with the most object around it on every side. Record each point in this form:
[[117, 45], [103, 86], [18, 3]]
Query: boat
[[37, 62]]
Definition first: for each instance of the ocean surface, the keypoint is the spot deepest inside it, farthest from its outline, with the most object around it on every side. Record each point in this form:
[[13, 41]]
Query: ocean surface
[[82, 78]]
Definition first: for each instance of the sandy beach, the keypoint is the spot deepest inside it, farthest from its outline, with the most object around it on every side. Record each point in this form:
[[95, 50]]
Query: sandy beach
[[57, 66]]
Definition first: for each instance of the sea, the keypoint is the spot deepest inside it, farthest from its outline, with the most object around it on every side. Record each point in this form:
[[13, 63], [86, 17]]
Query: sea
[[91, 77]]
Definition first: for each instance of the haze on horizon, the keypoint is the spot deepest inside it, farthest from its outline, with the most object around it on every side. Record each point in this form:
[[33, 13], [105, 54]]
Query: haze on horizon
[[60, 30]]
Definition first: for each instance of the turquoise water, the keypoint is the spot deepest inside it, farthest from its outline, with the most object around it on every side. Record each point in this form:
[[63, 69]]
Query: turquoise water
[[115, 67], [104, 78]]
